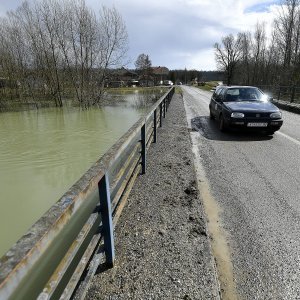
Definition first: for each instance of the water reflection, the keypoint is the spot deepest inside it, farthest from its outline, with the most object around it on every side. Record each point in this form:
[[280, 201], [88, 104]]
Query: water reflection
[[137, 99], [43, 152]]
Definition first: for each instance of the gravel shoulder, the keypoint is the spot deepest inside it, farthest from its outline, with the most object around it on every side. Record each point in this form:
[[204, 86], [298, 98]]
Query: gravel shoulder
[[161, 242]]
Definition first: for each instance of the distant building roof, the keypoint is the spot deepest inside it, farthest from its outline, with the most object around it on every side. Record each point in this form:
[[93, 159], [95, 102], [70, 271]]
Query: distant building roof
[[124, 72], [160, 70]]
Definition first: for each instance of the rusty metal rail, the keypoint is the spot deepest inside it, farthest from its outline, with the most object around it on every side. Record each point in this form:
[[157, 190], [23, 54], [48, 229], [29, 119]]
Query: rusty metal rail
[[61, 252]]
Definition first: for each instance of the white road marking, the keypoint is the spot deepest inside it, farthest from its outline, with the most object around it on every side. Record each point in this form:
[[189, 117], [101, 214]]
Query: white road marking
[[289, 138]]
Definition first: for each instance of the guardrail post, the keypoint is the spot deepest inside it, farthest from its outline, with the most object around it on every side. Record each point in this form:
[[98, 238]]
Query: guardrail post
[[164, 107], [106, 213], [160, 114], [279, 93], [143, 153], [167, 102], [154, 127], [293, 94]]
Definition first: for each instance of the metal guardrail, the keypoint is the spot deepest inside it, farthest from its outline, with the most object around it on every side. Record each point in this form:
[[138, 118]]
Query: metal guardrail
[[286, 93], [61, 252]]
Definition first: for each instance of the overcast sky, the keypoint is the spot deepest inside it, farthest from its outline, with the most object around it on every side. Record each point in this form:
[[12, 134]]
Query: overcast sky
[[180, 34]]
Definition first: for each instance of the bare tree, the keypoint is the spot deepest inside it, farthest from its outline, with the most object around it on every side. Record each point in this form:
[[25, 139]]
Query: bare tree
[[143, 65], [259, 48], [46, 13], [143, 62], [257, 62], [287, 36], [246, 54], [113, 44], [272, 65], [62, 47], [228, 55], [36, 21]]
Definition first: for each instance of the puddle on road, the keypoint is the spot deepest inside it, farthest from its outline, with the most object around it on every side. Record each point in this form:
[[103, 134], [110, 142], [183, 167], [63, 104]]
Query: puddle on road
[[218, 235]]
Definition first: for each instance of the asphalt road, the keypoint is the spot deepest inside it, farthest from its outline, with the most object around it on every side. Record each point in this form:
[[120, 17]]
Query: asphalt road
[[254, 181]]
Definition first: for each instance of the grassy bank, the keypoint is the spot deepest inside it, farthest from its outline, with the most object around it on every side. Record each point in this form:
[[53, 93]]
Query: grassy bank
[[208, 85]]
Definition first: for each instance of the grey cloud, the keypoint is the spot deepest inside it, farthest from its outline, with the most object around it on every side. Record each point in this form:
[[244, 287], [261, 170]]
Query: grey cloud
[[168, 31]]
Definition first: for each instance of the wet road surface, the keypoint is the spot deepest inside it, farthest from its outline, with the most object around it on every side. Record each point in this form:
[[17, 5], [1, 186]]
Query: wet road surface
[[255, 182]]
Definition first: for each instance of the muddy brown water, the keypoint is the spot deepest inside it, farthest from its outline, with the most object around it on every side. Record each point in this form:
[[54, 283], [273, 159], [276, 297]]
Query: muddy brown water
[[43, 152]]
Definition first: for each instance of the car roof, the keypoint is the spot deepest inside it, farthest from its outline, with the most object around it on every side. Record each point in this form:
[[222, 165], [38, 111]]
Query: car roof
[[240, 86]]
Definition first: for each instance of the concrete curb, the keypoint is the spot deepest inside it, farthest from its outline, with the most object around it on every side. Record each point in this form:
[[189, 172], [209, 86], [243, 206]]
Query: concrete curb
[[293, 107]]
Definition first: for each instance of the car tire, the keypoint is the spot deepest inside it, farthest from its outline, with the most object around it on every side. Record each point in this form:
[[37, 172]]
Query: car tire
[[222, 125]]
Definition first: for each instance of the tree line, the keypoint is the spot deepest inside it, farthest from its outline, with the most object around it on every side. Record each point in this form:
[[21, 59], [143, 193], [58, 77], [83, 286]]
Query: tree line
[[56, 49], [253, 60], [143, 66]]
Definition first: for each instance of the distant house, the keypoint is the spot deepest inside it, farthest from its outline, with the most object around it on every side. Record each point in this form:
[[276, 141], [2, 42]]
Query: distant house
[[124, 77], [121, 77], [160, 74], [146, 80]]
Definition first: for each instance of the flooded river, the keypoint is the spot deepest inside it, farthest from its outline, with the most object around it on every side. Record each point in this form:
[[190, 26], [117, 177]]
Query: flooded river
[[43, 152]]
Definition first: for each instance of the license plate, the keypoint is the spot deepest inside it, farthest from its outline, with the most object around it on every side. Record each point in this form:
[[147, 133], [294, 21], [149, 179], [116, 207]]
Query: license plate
[[257, 124]]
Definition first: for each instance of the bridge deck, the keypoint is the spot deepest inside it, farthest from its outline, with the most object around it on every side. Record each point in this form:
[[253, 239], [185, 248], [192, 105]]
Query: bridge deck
[[162, 248]]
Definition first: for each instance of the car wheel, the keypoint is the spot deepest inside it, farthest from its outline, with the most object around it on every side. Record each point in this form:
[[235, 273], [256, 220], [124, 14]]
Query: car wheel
[[211, 116], [222, 125]]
